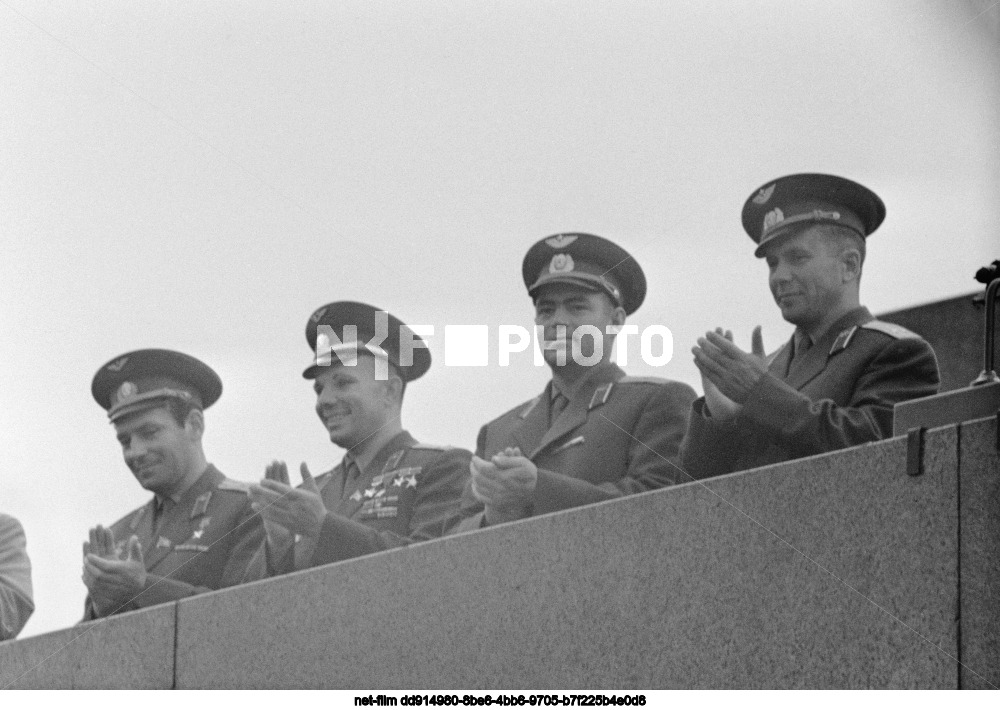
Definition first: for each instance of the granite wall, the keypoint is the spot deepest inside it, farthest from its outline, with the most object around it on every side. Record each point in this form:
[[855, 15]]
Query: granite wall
[[837, 571]]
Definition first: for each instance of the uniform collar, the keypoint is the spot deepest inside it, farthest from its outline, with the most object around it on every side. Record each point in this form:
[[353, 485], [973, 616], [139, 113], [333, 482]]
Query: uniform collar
[[375, 461], [598, 375], [201, 483]]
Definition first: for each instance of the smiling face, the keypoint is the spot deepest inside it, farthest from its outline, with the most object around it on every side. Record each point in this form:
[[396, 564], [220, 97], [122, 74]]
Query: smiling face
[[561, 309], [810, 279], [352, 404], [159, 451]]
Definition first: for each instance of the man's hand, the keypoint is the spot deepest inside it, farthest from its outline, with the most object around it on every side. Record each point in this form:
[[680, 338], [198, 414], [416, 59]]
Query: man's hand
[[504, 485], [298, 510], [112, 582], [732, 372], [102, 544]]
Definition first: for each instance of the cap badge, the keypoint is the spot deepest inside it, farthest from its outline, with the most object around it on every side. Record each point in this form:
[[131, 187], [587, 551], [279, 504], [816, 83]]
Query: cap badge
[[764, 194], [561, 263], [118, 364], [314, 318], [127, 391], [560, 241], [773, 217]]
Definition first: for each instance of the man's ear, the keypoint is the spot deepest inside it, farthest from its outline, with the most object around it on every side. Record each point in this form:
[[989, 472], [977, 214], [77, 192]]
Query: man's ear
[[194, 423], [850, 260], [394, 387], [618, 317]]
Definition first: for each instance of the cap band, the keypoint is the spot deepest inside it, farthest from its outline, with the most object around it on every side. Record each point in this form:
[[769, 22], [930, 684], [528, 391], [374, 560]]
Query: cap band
[[324, 351], [129, 404]]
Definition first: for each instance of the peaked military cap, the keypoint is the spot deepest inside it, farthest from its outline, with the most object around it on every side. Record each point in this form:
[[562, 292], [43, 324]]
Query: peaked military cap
[[369, 326], [586, 260], [143, 379], [809, 198]]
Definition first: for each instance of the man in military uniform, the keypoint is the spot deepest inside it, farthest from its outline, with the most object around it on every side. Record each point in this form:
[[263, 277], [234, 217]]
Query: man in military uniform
[[199, 532], [16, 601], [593, 433], [834, 383], [389, 490]]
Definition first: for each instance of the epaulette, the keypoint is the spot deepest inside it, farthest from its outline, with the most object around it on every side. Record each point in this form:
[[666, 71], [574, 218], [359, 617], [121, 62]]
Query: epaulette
[[229, 484], [629, 379], [430, 447], [890, 329]]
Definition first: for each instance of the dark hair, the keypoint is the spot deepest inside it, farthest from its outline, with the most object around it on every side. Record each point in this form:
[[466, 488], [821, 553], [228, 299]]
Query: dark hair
[[180, 408]]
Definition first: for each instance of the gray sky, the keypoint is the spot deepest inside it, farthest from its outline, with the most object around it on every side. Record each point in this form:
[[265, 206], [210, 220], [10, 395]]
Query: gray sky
[[201, 176]]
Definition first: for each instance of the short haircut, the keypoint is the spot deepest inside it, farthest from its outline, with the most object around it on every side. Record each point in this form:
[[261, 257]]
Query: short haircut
[[840, 239], [180, 408]]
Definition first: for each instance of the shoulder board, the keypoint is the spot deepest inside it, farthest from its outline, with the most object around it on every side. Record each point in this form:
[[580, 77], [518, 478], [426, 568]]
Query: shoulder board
[[890, 329], [430, 447], [231, 485], [630, 380]]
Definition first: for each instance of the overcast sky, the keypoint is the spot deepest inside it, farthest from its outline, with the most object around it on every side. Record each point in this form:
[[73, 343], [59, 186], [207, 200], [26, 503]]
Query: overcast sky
[[201, 176]]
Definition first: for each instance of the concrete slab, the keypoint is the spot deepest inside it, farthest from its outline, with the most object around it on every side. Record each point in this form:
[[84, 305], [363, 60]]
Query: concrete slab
[[133, 650], [980, 555], [834, 571]]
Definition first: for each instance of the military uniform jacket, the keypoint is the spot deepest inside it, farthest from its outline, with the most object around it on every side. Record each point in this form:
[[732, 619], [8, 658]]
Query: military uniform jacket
[[409, 493], [618, 435], [16, 602], [840, 393], [204, 542]]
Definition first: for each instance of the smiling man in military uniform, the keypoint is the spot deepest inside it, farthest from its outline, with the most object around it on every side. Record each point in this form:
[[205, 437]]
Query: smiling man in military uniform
[[835, 382], [199, 532], [389, 490], [593, 433]]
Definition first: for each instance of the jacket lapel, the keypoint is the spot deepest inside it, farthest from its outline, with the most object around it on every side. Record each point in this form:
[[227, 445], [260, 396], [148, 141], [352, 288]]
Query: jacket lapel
[[811, 364], [141, 526], [179, 526], [534, 420], [815, 360], [575, 414], [347, 505]]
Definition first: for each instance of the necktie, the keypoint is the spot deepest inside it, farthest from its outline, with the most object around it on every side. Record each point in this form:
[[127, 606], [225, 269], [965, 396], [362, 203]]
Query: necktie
[[160, 510], [352, 472], [803, 343], [557, 407]]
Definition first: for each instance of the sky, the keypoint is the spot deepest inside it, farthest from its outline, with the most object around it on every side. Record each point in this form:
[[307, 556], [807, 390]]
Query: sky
[[202, 176]]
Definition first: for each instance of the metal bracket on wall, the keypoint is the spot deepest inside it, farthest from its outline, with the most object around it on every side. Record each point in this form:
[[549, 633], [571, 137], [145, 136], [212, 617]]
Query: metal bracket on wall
[[915, 450]]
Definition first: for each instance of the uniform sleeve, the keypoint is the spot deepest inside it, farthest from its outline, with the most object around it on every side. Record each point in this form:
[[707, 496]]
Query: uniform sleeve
[[274, 555], [16, 603], [711, 446], [158, 590], [904, 369], [471, 515], [435, 510], [653, 456]]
